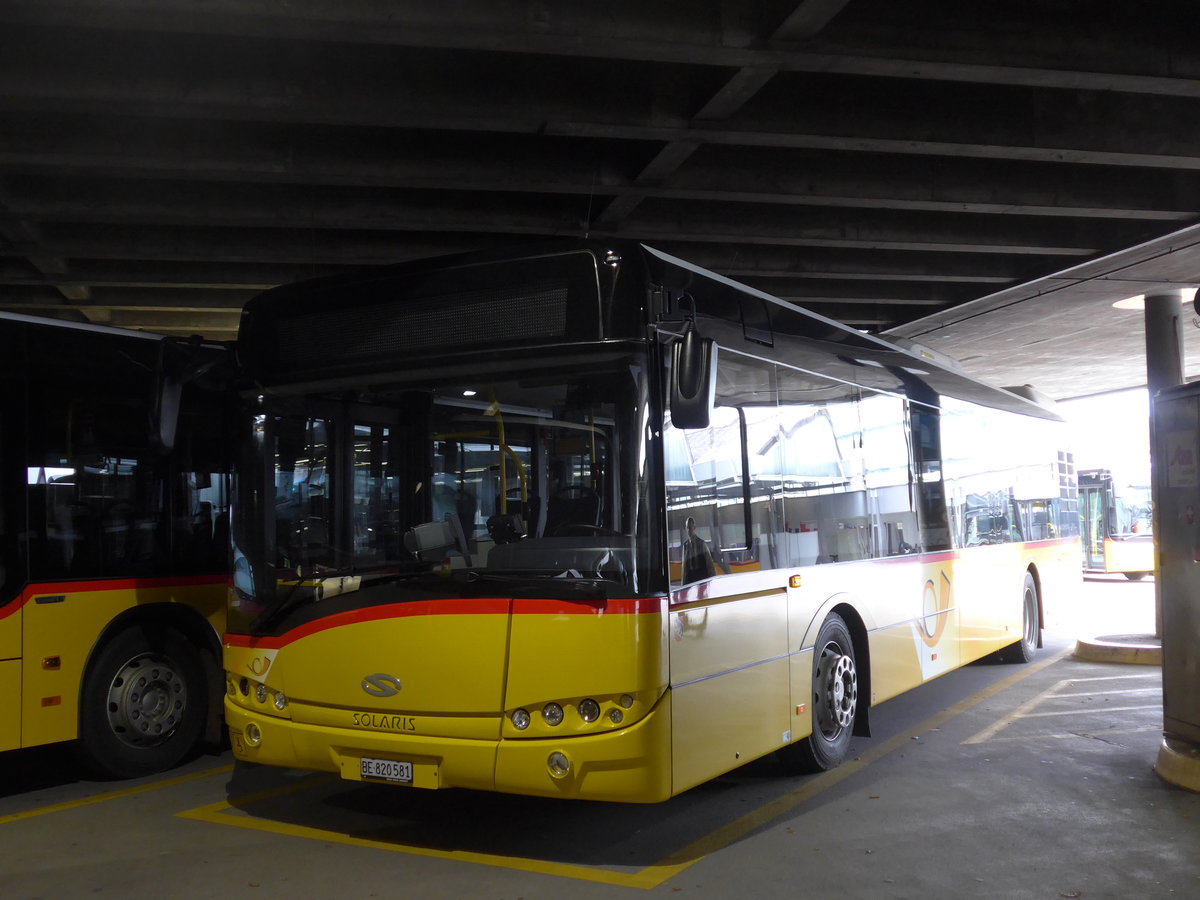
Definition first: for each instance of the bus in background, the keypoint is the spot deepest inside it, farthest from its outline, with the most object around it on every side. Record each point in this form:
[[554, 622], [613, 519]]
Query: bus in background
[[1116, 524], [591, 522], [114, 487]]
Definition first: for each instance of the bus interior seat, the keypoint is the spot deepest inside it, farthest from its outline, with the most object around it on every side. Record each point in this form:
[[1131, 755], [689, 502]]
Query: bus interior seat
[[572, 505]]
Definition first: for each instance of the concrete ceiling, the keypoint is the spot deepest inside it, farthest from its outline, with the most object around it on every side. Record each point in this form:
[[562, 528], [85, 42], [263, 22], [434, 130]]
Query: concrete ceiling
[[982, 178]]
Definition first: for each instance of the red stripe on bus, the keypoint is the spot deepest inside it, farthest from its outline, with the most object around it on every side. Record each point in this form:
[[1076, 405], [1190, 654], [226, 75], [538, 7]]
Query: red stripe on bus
[[557, 606], [449, 607], [115, 584]]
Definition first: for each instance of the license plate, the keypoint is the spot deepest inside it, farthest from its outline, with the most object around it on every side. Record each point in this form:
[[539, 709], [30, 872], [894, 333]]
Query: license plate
[[385, 770]]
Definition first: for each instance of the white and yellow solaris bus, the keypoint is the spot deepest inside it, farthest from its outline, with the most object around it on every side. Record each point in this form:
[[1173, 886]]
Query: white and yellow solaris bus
[[589, 521]]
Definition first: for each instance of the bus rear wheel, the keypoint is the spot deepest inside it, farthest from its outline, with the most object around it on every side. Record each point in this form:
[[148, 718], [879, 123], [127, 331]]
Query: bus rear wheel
[[1025, 649], [143, 703], [834, 701]]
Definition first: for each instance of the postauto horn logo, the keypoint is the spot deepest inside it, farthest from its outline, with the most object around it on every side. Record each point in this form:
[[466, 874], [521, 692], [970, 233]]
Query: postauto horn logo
[[380, 685]]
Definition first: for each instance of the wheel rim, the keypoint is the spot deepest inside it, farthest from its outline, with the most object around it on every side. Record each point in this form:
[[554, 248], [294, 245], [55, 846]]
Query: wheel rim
[[1030, 617], [146, 701], [836, 691]]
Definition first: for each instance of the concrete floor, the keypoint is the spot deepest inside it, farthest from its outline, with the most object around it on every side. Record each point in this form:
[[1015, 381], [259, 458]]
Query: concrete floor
[[994, 781]]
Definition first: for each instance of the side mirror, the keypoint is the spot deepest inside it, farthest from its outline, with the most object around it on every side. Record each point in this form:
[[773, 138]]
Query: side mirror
[[693, 379], [165, 417]]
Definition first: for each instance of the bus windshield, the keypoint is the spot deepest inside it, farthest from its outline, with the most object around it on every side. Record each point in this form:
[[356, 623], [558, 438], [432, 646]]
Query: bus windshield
[[465, 486]]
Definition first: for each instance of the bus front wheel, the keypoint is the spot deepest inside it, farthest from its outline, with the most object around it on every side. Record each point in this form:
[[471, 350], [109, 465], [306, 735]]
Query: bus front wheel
[[143, 703], [834, 701]]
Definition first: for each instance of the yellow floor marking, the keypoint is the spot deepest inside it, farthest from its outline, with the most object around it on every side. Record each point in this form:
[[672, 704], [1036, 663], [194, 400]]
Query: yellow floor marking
[[218, 813], [114, 795], [653, 875]]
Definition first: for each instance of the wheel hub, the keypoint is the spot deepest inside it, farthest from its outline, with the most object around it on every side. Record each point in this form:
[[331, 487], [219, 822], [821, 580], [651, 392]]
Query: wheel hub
[[837, 691], [146, 701]]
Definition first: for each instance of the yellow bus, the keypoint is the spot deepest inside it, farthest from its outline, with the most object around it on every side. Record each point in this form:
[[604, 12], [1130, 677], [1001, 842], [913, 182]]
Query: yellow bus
[[113, 542], [1116, 525], [591, 522]]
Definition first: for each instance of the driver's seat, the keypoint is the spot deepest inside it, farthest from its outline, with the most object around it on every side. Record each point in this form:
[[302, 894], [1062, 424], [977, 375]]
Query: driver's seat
[[572, 505]]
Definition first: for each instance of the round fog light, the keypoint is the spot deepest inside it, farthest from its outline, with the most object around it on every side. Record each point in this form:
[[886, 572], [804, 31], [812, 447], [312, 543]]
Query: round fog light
[[552, 713], [559, 764], [589, 710], [520, 719], [253, 735]]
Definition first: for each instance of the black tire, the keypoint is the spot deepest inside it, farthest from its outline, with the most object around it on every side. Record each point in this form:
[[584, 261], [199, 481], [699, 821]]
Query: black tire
[[1025, 649], [143, 702], [834, 701], [1135, 576]]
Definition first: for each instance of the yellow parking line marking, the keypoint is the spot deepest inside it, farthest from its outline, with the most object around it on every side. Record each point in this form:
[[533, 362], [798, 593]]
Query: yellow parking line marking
[[657, 873], [218, 813], [114, 795]]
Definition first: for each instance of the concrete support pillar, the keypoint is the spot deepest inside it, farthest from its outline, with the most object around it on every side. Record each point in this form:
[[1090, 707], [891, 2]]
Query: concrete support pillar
[[1176, 413], [1164, 369], [1164, 340]]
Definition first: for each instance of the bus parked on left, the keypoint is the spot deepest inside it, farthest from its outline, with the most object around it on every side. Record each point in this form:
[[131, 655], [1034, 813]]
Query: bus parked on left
[[113, 542]]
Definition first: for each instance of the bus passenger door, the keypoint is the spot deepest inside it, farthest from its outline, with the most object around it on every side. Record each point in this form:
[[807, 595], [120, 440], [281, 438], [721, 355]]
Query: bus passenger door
[[1092, 503]]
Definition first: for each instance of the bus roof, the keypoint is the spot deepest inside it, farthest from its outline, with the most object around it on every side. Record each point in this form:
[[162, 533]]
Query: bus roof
[[855, 349], [836, 350]]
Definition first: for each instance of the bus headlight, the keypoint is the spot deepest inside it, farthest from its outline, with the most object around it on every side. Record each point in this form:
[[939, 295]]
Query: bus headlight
[[260, 693], [280, 702], [552, 713], [589, 710], [520, 719], [626, 701]]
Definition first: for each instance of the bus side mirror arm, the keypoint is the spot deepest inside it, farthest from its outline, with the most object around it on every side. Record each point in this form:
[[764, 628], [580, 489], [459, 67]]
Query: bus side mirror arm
[[693, 379]]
